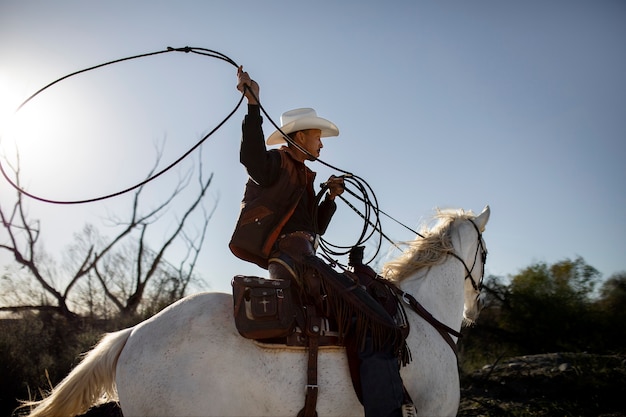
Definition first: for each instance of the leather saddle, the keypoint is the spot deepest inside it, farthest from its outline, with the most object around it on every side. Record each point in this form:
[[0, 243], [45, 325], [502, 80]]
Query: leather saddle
[[269, 310]]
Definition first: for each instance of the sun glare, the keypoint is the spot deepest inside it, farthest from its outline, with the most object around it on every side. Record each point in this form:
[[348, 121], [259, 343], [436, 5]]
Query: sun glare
[[23, 132], [9, 100], [52, 135]]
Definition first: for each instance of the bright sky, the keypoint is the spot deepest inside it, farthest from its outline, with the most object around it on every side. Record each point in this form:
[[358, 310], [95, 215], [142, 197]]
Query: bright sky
[[518, 105]]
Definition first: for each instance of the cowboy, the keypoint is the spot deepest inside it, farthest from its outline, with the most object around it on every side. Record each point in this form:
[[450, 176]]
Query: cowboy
[[280, 221], [279, 198]]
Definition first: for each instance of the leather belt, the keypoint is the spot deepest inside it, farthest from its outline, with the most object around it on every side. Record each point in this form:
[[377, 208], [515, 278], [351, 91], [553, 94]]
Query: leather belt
[[311, 237]]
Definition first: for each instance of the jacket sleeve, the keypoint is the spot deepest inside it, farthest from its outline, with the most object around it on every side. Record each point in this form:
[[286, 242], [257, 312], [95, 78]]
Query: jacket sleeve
[[263, 166], [325, 212]]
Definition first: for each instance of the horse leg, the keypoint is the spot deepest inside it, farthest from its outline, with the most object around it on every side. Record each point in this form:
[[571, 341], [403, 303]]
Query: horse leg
[[87, 383]]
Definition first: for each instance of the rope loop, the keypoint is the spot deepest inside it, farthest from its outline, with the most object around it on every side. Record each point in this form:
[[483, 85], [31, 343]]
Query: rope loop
[[186, 49]]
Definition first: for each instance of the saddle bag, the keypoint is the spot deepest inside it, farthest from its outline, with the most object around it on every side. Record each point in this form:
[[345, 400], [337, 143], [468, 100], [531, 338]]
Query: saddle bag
[[263, 308]]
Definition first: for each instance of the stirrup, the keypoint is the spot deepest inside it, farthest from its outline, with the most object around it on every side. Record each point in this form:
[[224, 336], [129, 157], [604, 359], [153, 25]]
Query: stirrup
[[408, 410]]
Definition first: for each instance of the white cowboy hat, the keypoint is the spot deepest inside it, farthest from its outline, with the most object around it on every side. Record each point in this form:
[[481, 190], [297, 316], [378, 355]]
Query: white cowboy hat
[[301, 119]]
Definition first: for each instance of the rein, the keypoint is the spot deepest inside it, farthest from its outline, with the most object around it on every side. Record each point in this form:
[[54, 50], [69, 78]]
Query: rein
[[444, 330], [483, 253]]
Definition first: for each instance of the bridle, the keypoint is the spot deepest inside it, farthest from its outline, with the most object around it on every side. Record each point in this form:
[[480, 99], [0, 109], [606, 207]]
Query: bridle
[[480, 247]]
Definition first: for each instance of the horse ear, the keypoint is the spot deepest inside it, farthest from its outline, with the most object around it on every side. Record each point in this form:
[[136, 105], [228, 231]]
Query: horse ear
[[482, 218]]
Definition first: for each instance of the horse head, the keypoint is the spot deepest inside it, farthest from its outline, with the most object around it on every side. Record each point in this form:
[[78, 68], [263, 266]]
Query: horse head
[[444, 266], [473, 256]]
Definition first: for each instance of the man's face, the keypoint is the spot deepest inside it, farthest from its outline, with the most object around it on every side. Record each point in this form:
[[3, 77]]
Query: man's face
[[311, 141]]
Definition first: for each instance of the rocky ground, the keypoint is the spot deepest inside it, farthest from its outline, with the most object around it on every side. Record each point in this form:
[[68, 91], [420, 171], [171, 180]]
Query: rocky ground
[[557, 384]]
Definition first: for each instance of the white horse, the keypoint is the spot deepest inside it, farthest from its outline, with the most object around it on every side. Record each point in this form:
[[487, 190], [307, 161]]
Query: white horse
[[189, 359]]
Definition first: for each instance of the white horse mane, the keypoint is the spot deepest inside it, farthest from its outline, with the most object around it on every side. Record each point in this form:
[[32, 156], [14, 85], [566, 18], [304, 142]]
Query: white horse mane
[[428, 250]]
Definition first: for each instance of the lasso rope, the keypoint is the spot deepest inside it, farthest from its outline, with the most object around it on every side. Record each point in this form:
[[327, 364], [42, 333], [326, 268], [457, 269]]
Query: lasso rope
[[186, 49], [366, 193]]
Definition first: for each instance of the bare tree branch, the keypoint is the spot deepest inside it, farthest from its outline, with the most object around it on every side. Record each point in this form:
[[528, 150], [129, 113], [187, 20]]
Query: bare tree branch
[[19, 228], [106, 260], [105, 287]]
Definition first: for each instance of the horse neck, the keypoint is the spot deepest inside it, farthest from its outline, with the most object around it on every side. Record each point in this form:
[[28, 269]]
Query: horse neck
[[440, 290]]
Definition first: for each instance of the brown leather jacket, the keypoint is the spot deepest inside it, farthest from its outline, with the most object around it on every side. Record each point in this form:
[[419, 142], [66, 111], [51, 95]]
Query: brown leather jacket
[[274, 189]]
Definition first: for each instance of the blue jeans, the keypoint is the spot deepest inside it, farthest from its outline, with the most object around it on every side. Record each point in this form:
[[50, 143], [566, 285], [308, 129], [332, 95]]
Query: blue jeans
[[380, 382]]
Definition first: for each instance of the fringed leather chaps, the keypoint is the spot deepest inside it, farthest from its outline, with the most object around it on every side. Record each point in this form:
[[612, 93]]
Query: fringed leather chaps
[[355, 310], [339, 296]]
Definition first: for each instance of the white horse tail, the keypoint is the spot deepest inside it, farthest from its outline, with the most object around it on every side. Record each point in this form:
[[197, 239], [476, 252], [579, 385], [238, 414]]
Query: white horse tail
[[91, 382]]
